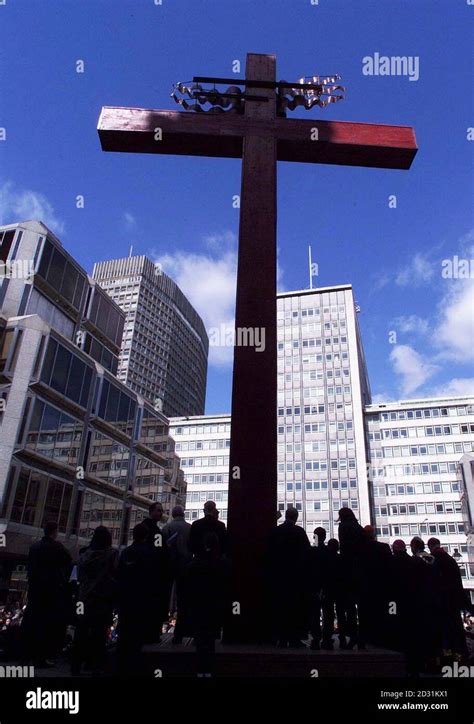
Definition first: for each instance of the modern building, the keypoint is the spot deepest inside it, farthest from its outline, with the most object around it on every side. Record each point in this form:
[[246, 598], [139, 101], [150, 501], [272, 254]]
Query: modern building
[[76, 446], [405, 467], [419, 482], [322, 390], [203, 444], [165, 345]]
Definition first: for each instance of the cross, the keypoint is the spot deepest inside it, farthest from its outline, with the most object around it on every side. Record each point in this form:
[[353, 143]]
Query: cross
[[260, 136]]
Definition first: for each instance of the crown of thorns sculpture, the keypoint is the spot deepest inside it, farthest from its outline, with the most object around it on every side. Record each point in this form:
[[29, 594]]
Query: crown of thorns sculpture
[[307, 92]]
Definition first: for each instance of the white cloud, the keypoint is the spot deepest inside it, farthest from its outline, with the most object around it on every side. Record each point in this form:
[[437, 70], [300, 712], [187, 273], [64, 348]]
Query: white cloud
[[381, 397], [412, 323], [130, 220], [413, 369], [454, 331], [209, 282], [27, 205], [456, 386], [221, 242], [419, 271]]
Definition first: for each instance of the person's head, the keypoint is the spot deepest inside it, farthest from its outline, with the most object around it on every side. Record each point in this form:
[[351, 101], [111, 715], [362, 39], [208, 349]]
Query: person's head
[[320, 534], [346, 514], [51, 530], [291, 515], [178, 511], [102, 539], [398, 546], [434, 544], [333, 545], [417, 545], [140, 533], [369, 532], [210, 509], [155, 511]]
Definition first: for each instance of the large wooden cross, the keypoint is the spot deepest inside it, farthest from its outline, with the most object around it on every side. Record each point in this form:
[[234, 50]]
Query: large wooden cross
[[260, 137]]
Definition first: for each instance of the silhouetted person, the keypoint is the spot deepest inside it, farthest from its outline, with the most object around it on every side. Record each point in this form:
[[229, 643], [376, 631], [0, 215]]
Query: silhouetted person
[[139, 591], [335, 597], [403, 621], [97, 578], [176, 533], [45, 620], [374, 591], [289, 552], [351, 542], [427, 603], [209, 524], [206, 585], [452, 600], [318, 562], [155, 541]]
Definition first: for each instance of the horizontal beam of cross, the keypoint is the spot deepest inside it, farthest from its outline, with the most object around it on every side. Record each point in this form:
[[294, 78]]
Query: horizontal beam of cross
[[133, 130]]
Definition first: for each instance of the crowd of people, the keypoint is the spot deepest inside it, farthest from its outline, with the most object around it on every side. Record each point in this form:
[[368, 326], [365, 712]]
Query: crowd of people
[[177, 577], [380, 595]]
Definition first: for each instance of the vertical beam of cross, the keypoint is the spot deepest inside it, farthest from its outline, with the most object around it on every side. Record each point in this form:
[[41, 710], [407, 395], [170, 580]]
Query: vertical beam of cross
[[253, 449]]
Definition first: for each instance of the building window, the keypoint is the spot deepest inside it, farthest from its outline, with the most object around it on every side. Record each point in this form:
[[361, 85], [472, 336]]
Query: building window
[[54, 434], [66, 373]]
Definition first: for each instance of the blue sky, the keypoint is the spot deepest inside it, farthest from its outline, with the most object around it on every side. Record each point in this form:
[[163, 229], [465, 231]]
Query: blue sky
[[179, 210]]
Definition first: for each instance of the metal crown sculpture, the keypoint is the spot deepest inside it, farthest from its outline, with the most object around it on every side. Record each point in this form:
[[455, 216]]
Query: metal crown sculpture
[[310, 91]]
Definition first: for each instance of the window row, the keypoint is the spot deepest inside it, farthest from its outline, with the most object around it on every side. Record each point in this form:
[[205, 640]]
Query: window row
[[196, 514], [435, 430], [202, 496], [438, 449], [203, 445], [415, 469], [440, 508], [417, 488], [200, 479], [201, 429], [425, 412], [204, 462]]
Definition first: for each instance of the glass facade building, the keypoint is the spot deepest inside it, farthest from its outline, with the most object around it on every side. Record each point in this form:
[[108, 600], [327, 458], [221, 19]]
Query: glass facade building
[[76, 446]]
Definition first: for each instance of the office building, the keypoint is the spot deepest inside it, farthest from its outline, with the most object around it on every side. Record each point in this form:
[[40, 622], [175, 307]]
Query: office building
[[165, 345], [322, 390], [405, 467], [77, 447], [203, 443]]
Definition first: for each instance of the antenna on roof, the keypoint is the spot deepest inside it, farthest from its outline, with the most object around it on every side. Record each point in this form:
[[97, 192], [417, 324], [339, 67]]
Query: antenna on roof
[[131, 250]]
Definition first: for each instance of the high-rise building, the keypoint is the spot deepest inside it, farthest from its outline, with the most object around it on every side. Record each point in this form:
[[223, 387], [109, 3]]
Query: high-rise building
[[165, 344], [203, 444], [322, 389], [405, 467], [76, 446]]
